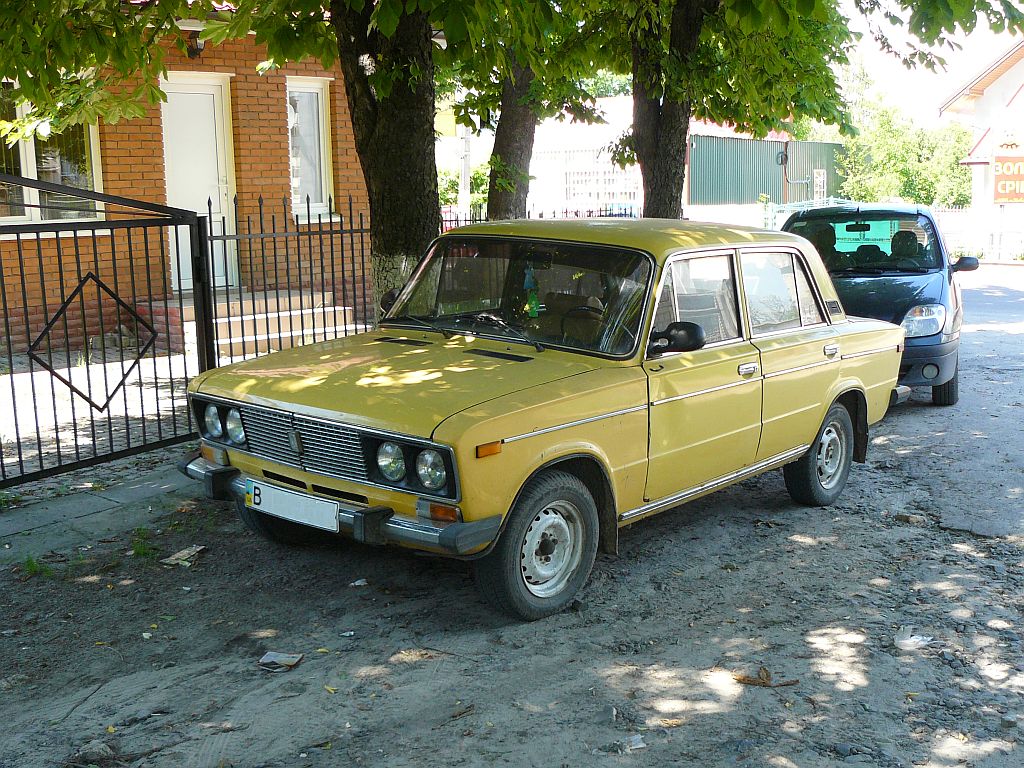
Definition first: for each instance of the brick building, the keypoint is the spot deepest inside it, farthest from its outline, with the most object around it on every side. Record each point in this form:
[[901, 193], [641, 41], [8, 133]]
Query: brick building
[[225, 133]]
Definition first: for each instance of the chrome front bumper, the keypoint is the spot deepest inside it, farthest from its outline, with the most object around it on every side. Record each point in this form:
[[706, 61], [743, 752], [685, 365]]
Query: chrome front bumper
[[371, 525]]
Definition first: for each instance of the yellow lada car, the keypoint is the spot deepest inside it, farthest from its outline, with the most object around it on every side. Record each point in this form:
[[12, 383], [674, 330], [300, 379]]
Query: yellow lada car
[[538, 385]]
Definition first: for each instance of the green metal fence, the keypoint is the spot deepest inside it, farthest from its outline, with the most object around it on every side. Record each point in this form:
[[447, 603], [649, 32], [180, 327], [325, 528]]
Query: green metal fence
[[730, 171]]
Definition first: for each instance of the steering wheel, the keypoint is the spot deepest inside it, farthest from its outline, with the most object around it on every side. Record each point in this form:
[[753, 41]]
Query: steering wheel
[[581, 308]]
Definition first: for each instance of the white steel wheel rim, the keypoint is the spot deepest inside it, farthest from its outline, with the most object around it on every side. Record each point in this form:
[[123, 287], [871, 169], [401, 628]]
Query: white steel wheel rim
[[831, 455], [552, 548]]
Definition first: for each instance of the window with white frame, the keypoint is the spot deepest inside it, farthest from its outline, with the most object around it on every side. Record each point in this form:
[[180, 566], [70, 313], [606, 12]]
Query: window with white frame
[[70, 158], [309, 144]]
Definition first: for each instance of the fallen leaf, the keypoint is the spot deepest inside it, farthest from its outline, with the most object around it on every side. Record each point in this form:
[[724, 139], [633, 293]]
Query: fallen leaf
[[330, 689], [323, 650], [763, 679], [111, 729], [672, 722]]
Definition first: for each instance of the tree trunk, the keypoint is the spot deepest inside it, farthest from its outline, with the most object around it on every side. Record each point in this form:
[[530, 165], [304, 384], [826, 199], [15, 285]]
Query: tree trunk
[[394, 138], [509, 182], [661, 125]]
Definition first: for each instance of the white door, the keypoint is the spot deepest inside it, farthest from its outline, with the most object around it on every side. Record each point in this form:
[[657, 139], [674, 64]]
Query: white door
[[197, 163]]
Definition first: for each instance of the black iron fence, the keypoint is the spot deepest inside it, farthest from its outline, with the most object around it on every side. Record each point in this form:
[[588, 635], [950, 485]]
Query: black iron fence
[[108, 306], [450, 218], [278, 280], [93, 356]]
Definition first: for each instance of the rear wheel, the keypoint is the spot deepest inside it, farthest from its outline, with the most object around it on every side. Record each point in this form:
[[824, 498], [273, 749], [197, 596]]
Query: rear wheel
[[546, 551], [818, 477], [276, 529], [948, 393]]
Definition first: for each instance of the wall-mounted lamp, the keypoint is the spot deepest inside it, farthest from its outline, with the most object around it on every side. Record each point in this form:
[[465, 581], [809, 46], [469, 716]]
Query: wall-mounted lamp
[[194, 45]]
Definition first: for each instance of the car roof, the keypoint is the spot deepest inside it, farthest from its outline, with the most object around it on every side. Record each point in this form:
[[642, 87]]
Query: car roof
[[826, 211], [659, 237]]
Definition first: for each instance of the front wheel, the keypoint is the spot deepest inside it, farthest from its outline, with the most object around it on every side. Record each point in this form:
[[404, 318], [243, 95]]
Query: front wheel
[[546, 551], [818, 477], [948, 393]]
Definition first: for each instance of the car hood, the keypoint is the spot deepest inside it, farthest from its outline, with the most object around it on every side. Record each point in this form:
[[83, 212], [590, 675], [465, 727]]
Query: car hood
[[407, 384], [888, 297]]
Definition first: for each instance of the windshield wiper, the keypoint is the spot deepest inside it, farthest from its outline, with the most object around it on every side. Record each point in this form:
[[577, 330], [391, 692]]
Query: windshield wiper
[[493, 319], [420, 321], [857, 271]]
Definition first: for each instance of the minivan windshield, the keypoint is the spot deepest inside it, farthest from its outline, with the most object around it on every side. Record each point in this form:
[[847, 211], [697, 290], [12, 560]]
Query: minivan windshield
[[579, 296], [872, 243]]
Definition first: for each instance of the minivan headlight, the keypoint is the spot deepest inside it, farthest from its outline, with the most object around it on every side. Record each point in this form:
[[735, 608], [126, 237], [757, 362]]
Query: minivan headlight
[[924, 320], [212, 422], [430, 469]]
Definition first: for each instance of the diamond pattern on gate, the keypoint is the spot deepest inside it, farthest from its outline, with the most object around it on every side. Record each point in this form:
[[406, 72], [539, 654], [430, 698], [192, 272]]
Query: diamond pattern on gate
[[92, 305]]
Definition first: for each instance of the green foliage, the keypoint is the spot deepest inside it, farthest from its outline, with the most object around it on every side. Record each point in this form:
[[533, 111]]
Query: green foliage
[[605, 83], [79, 60], [560, 48], [9, 499], [448, 187], [142, 544], [33, 567], [891, 159]]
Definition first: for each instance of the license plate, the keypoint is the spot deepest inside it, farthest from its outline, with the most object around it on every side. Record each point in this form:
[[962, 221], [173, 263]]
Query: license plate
[[291, 505]]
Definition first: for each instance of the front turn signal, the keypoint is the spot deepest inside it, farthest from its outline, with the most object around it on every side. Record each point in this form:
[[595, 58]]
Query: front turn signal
[[488, 449]]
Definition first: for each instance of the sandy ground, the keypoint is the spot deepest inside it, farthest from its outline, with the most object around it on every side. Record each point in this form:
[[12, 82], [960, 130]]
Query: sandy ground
[[114, 659]]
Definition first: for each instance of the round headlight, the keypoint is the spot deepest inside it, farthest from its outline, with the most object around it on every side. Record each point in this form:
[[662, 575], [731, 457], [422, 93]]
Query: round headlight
[[235, 430], [211, 419], [430, 469], [391, 461]]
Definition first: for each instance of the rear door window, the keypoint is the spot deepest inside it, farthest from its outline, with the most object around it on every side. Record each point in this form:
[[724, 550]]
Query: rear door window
[[769, 281]]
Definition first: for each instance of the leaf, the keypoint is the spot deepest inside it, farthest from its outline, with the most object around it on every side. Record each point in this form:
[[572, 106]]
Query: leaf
[[330, 689], [763, 679]]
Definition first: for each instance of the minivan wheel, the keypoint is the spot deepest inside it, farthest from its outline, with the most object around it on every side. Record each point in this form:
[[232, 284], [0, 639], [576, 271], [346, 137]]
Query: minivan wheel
[[818, 477], [948, 393], [546, 551], [278, 530]]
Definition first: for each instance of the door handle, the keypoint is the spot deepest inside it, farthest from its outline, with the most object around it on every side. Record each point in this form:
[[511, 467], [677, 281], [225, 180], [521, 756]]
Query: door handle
[[831, 350], [747, 369]]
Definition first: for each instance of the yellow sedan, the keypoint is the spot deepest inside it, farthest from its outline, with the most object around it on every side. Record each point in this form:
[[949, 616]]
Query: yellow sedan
[[538, 385]]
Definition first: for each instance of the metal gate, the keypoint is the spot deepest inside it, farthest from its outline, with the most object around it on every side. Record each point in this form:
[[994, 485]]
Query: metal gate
[[99, 333], [96, 348]]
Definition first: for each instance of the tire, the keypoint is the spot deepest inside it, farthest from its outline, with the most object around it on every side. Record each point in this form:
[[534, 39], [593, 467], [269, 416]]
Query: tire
[[948, 393], [546, 551], [277, 530], [818, 477]]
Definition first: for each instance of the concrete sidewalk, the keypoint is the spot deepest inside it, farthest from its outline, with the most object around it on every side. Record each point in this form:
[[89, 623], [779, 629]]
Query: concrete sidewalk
[[84, 517]]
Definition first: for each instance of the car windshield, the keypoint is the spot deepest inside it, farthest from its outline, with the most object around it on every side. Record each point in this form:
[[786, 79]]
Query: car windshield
[[872, 243], [584, 297]]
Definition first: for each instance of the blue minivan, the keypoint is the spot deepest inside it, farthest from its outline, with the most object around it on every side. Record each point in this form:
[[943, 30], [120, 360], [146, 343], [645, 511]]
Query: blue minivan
[[888, 262]]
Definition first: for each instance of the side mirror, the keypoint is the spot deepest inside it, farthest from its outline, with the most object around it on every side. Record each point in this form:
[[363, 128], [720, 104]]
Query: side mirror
[[965, 264], [387, 301], [678, 337]]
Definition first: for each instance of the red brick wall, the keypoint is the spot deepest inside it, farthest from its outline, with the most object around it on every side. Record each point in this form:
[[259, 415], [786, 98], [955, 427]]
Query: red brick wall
[[132, 163]]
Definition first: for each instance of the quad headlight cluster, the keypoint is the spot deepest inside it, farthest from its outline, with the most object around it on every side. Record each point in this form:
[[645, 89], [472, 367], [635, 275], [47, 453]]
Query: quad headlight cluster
[[223, 424], [394, 461]]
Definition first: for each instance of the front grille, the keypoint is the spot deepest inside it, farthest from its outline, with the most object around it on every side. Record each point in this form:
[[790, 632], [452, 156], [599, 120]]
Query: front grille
[[327, 448]]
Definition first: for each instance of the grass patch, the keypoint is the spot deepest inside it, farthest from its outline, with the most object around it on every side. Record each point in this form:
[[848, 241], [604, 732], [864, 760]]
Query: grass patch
[[142, 545], [8, 499], [32, 567]]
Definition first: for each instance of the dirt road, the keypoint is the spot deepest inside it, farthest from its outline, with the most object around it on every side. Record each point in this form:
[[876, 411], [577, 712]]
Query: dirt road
[[110, 659]]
